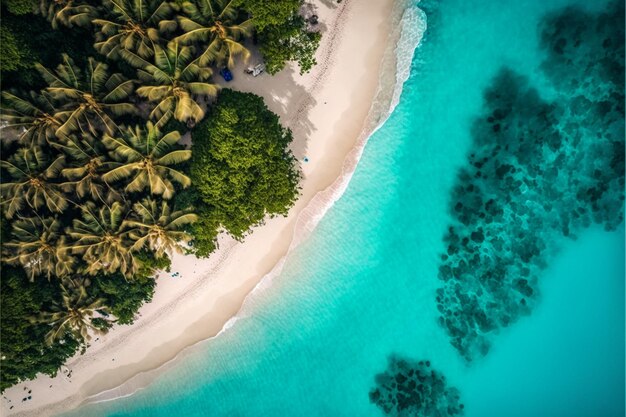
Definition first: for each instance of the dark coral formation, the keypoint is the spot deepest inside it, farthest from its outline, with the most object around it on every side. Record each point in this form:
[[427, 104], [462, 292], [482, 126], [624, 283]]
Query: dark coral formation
[[537, 170], [585, 52], [413, 389]]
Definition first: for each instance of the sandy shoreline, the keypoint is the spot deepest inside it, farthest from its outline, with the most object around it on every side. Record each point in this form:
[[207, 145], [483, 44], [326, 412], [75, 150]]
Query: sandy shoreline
[[331, 112]]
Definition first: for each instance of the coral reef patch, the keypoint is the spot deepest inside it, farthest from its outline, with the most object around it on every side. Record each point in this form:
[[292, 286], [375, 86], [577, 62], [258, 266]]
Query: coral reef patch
[[537, 170], [413, 389]]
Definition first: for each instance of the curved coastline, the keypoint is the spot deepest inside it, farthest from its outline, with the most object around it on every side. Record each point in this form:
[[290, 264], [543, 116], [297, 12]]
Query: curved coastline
[[398, 56], [409, 33]]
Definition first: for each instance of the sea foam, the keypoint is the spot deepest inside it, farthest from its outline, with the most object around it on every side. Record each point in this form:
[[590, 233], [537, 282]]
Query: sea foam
[[408, 32], [406, 37]]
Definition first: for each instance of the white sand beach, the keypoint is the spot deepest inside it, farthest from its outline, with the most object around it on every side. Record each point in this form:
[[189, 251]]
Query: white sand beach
[[327, 110]]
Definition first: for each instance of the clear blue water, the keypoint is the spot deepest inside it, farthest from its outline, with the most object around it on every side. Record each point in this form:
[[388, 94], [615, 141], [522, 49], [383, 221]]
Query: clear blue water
[[567, 359], [362, 286]]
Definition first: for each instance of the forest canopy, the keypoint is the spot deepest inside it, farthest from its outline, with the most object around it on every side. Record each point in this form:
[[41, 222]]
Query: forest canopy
[[97, 189], [241, 167]]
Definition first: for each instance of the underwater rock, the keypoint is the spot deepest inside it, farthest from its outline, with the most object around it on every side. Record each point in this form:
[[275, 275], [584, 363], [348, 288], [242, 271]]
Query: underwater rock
[[585, 50], [413, 389], [549, 169]]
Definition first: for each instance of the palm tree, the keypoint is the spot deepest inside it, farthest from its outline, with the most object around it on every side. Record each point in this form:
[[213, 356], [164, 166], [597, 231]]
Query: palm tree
[[36, 118], [73, 313], [134, 25], [88, 162], [88, 101], [66, 12], [102, 241], [212, 23], [36, 245], [145, 156], [176, 81], [158, 227], [31, 170]]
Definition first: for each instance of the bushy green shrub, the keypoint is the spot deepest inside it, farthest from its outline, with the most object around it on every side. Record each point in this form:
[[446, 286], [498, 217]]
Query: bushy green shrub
[[241, 167], [13, 54], [23, 349], [282, 34], [20, 7]]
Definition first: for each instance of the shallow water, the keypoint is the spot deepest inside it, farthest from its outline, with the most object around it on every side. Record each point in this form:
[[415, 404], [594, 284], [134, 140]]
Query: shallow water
[[362, 287], [567, 359]]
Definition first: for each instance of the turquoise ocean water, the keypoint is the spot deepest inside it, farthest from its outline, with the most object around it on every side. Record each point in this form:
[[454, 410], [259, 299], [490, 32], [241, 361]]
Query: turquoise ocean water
[[362, 287]]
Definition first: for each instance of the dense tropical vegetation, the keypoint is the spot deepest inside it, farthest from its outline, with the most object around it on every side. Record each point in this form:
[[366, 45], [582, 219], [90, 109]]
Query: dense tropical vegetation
[[96, 191], [241, 168], [282, 34]]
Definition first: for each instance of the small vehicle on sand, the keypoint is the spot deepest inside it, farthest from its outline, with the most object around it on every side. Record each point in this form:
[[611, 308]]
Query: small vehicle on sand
[[226, 74], [256, 70]]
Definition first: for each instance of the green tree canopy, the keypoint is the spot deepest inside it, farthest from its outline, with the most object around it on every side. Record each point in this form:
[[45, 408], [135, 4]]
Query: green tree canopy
[[175, 82], [146, 157], [13, 52], [88, 160], [36, 246], [31, 182], [20, 7], [283, 34], [125, 297], [73, 313], [67, 12], [271, 13], [101, 239], [60, 218], [241, 166], [90, 99], [134, 25], [35, 118], [216, 27], [156, 226], [37, 43], [24, 351]]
